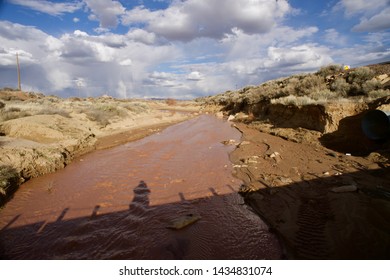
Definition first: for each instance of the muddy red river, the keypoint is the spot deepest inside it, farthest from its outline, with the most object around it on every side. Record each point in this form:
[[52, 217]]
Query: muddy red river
[[122, 203]]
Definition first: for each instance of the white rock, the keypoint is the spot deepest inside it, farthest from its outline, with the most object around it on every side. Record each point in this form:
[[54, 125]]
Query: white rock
[[230, 118]]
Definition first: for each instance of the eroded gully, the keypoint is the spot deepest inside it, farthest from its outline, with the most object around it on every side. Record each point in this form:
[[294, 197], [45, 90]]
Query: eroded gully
[[119, 203]]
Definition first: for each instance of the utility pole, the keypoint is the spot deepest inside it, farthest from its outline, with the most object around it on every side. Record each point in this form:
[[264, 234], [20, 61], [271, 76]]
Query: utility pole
[[17, 63]]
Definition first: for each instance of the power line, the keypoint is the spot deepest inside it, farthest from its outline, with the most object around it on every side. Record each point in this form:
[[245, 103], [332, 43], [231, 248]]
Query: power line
[[18, 66]]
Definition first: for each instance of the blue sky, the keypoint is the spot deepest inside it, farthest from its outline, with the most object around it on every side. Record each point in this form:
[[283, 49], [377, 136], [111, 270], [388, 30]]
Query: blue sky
[[182, 48]]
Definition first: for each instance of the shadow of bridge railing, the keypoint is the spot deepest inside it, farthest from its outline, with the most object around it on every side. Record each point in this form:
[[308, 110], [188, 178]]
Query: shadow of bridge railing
[[142, 231], [311, 220]]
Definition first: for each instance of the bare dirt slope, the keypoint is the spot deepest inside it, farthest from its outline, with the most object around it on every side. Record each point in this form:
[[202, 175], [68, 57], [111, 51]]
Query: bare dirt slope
[[323, 204]]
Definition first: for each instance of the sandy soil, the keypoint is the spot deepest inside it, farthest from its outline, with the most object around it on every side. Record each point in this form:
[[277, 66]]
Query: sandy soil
[[322, 204]]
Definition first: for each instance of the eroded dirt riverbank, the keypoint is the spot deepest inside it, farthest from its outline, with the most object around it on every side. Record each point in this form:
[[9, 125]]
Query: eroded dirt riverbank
[[120, 203], [323, 204]]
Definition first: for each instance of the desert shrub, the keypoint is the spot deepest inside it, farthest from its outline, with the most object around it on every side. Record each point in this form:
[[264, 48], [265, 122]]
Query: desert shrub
[[329, 70], [294, 100], [371, 85], [290, 88], [220, 99], [6, 97], [2, 105], [360, 75], [357, 78], [98, 116], [102, 114], [13, 109], [36, 101], [9, 89], [53, 99], [53, 111], [9, 182], [355, 89], [13, 113], [340, 86], [113, 110], [245, 89], [276, 88], [309, 84], [23, 109], [236, 97], [325, 95], [378, 93], [136, 107], [254, 96]]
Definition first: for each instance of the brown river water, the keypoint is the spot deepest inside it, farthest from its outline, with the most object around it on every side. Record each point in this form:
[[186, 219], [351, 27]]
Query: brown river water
[[119, 203]]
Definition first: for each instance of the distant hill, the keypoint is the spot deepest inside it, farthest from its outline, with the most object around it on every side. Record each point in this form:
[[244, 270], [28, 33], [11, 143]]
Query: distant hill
[[329, 84]]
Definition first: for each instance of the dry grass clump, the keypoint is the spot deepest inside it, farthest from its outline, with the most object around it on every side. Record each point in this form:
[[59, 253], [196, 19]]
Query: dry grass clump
[[9, 182], [325, 95], [104, 110], [135, 107], [294, 100], [340, 86], [54, 111], [10, 97], [378, 93], [309, 84], [102, 113], [371, 85], [13, 113], [360, 75], [17, 109], [98, 116], [357, 78], [329, 70]]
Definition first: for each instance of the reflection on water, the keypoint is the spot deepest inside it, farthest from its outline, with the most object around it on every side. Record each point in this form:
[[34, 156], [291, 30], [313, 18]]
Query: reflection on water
[[119, 203]]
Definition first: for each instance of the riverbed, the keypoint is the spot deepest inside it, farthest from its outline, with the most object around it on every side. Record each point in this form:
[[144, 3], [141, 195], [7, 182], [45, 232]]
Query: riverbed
[[121, 203]]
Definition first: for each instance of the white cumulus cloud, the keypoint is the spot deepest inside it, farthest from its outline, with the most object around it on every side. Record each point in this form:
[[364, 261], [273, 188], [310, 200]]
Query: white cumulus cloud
[[48, 7], [187, 20], [105, 11], [362, 6], [378, 22], [374, 15], [189, 49]]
